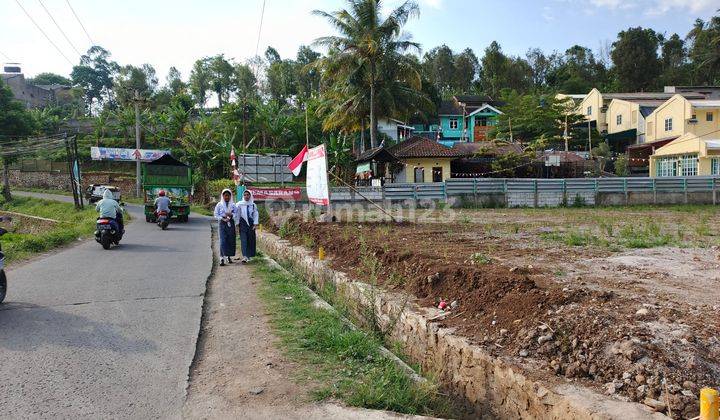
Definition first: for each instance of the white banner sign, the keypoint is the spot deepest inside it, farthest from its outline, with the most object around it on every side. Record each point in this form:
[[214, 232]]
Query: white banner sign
[[114, 153], [317, 177]]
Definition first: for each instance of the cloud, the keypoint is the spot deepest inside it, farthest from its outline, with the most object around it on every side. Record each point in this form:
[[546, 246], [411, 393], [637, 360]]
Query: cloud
[[693, 6], [435, 4]]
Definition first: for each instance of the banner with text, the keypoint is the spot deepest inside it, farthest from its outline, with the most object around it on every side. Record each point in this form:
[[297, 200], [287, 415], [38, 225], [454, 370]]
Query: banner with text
[[317, 177], [286, 194], [114, 153]]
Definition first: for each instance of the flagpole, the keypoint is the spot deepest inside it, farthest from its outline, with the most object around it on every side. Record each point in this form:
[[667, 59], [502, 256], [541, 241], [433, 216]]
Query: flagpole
[[307, 130]]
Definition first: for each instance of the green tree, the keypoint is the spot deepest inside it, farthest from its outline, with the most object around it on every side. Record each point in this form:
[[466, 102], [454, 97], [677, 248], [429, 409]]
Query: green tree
[[675, 66], [577, 71], [174, 81], [494, 70], [533, 117], [467, 68], [365, 40], [222, 78], [438, 65], [50, 79], [705, 51], [247, 88], [15, 122], [200, 81], [131, 80], [635, 57], [308, 77], [95, 75]]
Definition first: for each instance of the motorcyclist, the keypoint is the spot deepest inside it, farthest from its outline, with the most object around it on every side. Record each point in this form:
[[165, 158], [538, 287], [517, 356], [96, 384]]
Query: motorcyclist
[[110, 209], [162, 203]]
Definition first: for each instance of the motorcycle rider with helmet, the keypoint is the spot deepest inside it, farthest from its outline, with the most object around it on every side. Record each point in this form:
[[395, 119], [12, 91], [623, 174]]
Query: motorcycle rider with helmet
[[162, 203], [110, 209]]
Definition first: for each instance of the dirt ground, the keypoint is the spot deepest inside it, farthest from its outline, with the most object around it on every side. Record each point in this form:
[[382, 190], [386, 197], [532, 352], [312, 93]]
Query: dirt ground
[[562, 293], [239, 372]]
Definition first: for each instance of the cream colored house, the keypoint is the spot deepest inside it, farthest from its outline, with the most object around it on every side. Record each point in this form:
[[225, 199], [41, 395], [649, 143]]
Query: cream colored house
[[596, 105], [626, 119], [681, 115], [688, 155]]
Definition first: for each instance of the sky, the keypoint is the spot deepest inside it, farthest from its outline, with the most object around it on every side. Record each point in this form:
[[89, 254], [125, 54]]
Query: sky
[[168, 33]]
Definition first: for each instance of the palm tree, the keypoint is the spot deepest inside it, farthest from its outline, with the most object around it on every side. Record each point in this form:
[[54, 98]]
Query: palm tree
[[363, 42]]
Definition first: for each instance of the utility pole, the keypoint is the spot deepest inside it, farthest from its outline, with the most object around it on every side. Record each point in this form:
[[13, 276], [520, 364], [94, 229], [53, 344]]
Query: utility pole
[[589, 139], [138, 187], [566, 136]]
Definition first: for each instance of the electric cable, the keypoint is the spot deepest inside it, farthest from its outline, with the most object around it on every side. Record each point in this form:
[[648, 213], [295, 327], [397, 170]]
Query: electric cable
[[5, 55], [59, 28], [80, 22], [262, 16], [43, 32]]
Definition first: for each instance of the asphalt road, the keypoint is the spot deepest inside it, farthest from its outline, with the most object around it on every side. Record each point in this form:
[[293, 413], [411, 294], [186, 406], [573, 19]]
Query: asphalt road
[[89, 333]]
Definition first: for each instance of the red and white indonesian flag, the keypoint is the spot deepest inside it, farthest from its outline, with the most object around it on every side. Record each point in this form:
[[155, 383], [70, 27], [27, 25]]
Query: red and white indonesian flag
[[295, 165], [233, 158]]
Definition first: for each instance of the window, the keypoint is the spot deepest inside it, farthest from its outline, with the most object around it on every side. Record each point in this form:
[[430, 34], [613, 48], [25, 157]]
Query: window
[[666, 166], [589, 110], [437, 174], [453, 123], [709, 116], [715, 166], [618, 120], [668, 124], [688, 165]]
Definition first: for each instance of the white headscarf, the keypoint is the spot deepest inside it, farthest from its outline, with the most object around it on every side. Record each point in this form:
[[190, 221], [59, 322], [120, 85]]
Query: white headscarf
[[245, 206], [223, 207], [244, 202]]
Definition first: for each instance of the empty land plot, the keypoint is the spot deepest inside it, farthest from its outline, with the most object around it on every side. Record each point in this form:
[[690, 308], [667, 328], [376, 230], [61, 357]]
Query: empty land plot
[[624, 299]]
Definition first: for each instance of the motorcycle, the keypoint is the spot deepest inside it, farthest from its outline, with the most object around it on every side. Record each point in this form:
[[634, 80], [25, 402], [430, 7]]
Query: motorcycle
[[163, 219], [107, 232]]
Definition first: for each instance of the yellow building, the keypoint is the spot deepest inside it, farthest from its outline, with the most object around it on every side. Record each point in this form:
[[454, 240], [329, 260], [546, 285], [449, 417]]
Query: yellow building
[[681, 115], [688, 155], [596, 105], [423, 160], [626, 119]]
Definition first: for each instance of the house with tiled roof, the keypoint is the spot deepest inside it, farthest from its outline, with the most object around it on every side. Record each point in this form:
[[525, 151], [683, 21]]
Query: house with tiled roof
[[463, 118], [423, 160]]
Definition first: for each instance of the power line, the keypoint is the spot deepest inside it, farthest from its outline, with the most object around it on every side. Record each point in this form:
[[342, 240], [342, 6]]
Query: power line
[[262, 15], [59, 28], [43, 32], [5, 55], [80, 22]]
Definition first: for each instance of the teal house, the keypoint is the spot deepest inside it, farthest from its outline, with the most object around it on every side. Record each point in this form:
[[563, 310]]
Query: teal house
[[464, 118]]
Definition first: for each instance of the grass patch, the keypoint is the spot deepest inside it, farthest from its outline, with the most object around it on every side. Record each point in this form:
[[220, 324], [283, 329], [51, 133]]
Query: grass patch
[[344, 363], [73, 224]]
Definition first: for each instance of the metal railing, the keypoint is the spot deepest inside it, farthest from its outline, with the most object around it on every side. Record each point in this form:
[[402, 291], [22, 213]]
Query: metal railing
[[536, 192]]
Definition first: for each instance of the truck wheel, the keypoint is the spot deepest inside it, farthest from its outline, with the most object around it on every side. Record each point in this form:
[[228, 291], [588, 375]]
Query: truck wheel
[[3, 286]]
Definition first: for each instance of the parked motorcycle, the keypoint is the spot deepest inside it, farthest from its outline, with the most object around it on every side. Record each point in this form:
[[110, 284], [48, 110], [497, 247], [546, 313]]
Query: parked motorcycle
[[163, 219], [107, 232]]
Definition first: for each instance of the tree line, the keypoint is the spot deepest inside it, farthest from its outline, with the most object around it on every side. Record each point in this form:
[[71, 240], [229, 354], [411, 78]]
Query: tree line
[[370, 69]]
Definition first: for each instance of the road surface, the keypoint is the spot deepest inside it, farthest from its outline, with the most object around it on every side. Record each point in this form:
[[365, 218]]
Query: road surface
[[89, 333]]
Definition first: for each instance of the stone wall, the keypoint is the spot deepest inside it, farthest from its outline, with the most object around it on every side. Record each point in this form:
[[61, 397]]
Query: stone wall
[[61, 181], [490, 386]]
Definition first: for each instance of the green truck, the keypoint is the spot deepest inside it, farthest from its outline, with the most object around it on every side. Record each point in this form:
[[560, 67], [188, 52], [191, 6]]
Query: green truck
[[172, 176]]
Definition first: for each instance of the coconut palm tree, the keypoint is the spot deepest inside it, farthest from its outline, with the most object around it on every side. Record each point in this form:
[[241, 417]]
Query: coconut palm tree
[[364, 40]]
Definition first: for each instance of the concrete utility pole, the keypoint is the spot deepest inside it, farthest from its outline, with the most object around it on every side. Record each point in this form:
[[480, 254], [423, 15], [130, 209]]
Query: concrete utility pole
[[138, 185]]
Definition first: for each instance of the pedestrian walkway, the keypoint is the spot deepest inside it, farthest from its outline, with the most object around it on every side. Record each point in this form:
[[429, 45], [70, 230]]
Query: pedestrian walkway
[[239, 371]]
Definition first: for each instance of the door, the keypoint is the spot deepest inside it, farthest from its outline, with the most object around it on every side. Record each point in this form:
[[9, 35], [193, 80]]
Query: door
[[420, 174], [437, 173]]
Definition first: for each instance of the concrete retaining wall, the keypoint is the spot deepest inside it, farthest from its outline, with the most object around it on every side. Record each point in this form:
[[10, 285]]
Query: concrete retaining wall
[[491, 387], [61, 181]]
